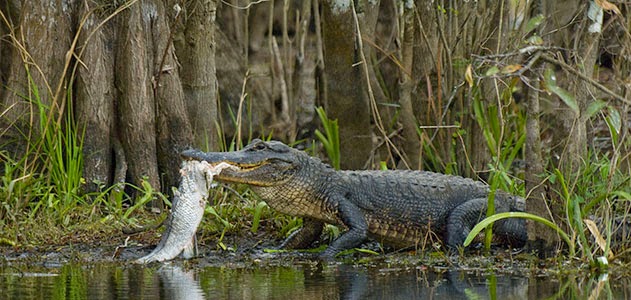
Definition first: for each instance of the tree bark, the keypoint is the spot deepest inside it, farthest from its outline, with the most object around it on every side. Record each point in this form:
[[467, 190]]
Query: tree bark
[[94, 99], [195, 46], [44, 36], [412, 143], [587, 47], [10, 12], [136, 104], [541, 238], [571, 134], [346, 100], [173, 128]]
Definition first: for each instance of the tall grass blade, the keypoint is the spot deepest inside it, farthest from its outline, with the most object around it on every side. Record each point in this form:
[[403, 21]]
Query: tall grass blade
[[494, 218], [330, 139]]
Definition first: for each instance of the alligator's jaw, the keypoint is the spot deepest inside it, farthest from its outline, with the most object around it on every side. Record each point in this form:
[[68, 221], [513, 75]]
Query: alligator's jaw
[[257, 169]]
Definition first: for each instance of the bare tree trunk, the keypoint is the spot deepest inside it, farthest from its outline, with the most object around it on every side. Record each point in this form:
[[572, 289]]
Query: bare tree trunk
[[44, 32], [195, 47], [587, 47], [94, 99], [571, 134], [173, 128], [540, 237], [11, 14], [412, 143], [346, 100], [136, 104]]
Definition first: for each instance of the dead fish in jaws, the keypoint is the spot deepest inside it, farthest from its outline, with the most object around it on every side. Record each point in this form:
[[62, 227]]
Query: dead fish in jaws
[[187, 211]]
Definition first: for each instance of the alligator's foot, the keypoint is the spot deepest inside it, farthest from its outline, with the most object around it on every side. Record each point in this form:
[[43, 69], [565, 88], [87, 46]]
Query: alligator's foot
[[305, 236], [511, 232]]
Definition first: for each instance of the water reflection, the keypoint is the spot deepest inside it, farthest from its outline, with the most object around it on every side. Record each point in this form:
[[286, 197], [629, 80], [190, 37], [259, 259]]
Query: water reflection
[[309, 281], [179, 284]]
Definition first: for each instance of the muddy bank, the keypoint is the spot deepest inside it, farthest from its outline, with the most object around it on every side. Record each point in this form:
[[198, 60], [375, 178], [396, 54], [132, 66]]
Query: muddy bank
[[245, 249], [252, 251]]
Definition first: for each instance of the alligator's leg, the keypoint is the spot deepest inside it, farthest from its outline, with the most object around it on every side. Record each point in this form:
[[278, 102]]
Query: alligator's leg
[[512, 231], [357, 232], [466, 215], [305, 236], [462, 219]]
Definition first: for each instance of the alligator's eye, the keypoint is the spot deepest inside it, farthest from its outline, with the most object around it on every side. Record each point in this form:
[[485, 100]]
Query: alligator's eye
[[259, 146]]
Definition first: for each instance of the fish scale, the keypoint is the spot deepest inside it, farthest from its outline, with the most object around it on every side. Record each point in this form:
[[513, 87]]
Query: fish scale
[[188, 209]]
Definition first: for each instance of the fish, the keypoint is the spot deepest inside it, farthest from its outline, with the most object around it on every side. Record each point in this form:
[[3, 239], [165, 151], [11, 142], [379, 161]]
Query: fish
[[189, 202]]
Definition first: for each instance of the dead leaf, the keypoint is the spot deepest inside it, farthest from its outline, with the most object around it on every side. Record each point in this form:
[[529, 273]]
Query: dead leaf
[[595, 294], [468, 75], [606, 5], [511, 69], [593, 229]]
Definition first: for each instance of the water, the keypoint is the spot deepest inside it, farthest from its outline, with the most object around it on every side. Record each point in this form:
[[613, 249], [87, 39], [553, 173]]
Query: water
[[304, 282]]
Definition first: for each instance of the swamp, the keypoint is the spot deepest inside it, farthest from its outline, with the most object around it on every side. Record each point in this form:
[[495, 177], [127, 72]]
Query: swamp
[[99, 98]]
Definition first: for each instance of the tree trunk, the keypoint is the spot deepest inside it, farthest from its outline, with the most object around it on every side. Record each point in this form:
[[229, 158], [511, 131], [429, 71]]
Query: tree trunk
[[541, 238], [136, 106], [412, 143], [587, 47], [44, 32], [129, 102], [571, 133], [11, 13], [95, 99], [195, 46], [173, 128], [346, 100]]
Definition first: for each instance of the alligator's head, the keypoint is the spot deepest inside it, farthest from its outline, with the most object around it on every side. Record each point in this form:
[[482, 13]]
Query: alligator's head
[[259, 163]]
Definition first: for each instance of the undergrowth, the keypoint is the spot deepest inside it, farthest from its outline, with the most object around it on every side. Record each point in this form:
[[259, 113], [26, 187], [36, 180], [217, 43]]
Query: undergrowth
[[41, 197], [595, 198], [46, 196]]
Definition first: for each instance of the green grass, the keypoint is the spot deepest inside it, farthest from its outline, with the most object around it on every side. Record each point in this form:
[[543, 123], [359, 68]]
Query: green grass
[[488, 221], [330, 139], [599, 189], [48, 175]]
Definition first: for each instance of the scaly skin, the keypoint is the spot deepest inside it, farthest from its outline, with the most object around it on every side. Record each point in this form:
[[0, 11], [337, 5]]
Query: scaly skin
[[189, 202], [401, 208]]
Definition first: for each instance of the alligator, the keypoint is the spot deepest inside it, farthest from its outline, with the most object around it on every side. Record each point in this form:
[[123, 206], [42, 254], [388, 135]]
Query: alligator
[[395, 207]]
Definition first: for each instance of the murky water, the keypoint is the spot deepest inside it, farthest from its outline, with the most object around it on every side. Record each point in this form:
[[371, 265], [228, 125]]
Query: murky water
[[304, 282]]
